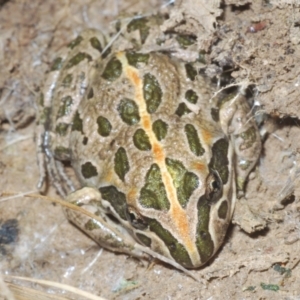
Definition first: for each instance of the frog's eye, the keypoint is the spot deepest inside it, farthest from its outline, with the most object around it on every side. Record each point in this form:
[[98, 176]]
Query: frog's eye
[[214, 186], [135, 218]]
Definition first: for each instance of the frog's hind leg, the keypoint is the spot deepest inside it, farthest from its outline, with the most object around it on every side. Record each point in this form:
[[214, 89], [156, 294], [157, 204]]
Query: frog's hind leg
[[39, 133], [55, 169], [50, 167], [62, 175], [101, 228], [60, 180], [66, 84]]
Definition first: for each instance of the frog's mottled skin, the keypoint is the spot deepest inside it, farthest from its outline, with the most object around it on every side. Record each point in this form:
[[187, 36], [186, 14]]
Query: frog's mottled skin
[[148, 147]]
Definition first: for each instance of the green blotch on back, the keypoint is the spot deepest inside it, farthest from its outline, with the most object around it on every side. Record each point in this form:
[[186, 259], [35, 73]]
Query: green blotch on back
[[129, 111], [141, 140], [79, 57], [62, 153], [152, 93], [88, 170], [204, 241], [56, 64], [113, 70], [77, 123], [193, 140], [66, 82], [91, 225], [144, 239], [104, 126], [135, 58], [215, 114], [225, 98], [182, 109], [116, 198], [249, 137], [191, 96], [184, 181], [219, 160], [65, 106], [160, 129], [75, 42], [223, 209], [95, 43], [121, 163], [191, 72], [61, 129], [185, 40], [153, 193], [141, 25], [177, 250]]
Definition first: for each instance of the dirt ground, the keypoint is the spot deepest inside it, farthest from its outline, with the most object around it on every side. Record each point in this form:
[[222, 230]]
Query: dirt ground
[[258, 44]]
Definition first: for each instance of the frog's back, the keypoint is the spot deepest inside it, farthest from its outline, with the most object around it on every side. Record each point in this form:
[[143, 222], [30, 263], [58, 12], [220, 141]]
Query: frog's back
[[141, 109]]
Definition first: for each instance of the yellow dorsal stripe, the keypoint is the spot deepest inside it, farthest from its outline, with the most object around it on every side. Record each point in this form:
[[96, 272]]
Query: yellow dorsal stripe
[[178, 215]]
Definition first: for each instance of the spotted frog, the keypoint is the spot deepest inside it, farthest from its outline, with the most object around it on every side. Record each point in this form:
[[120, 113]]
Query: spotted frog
[[159, 160]]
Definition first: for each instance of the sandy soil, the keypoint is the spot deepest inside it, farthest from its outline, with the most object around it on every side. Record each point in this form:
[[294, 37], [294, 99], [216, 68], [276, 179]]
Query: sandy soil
[[257, 42]]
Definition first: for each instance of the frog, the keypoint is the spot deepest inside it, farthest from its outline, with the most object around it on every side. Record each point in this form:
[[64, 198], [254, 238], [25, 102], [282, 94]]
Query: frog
[[160, 159]]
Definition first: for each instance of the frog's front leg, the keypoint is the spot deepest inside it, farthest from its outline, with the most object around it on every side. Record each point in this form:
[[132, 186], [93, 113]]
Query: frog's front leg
[[238, 123], [102, 228], [247, 218]]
